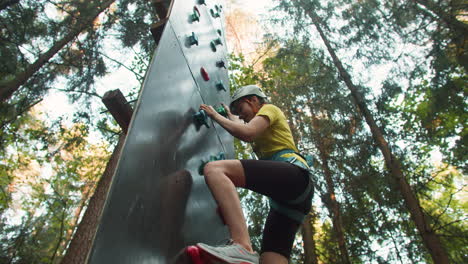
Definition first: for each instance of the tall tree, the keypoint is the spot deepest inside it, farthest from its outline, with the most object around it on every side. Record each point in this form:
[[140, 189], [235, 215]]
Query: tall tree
[[324, 145], [308, 230], [81, 62], [83, 236], [419, 217], [77, 25], [293, 73], [57, 172]]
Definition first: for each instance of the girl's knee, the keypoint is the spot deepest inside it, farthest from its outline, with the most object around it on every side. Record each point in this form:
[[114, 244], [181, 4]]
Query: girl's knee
[[228, 168], [210, 168]]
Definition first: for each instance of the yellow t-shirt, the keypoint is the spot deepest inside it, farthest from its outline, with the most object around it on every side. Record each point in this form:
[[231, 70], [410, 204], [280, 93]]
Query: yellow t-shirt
[[276, 137]]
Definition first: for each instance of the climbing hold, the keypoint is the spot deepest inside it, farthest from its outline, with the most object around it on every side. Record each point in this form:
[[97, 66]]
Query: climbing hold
[[220, 33], [221, 64], [220, 86], [202, 2], [216, 42], [214, 13], [219, 8], [195, 15], [200, 118], [220, 156], [193, 39], [221, 110], [204, 74]]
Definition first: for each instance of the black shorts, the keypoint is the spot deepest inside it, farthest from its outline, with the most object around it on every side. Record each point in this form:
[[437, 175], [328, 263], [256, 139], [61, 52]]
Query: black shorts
[[282, 182]]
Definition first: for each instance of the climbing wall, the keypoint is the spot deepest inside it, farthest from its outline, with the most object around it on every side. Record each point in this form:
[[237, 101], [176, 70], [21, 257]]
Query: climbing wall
[[158, 203]]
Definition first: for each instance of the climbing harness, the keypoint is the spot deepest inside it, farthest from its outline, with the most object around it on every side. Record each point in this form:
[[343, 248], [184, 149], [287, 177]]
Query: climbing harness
[[292, 213]]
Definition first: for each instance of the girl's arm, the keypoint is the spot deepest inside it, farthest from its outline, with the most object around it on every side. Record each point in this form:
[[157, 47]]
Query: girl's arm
[[243, 131]]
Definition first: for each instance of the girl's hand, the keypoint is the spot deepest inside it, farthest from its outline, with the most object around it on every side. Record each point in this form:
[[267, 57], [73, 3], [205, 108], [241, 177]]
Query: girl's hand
[[230, 115], [210, 111]]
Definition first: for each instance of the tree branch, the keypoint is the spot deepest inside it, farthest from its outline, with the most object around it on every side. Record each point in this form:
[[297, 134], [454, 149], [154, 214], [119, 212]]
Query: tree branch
[[139, 76]]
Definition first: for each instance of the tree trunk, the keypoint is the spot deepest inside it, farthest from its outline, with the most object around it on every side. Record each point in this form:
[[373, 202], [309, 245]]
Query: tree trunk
[[77, 252], [6, 3], [430, 238], [60, 239], [323, 145], [334, 207], [7, 89], [308, 239], [73, 226], [450, 20]]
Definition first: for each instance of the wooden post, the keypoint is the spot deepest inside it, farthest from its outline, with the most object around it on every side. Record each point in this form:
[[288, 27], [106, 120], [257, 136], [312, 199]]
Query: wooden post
[[118, 107], [163, 9], [157, 29]]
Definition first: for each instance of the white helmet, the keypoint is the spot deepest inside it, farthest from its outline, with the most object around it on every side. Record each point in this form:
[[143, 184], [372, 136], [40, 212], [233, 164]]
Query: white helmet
[[245, 91]]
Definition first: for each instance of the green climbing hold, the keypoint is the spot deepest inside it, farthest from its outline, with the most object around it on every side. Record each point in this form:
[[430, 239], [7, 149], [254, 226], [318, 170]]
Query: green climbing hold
[[200, 118], [222, 111], [195, 15]]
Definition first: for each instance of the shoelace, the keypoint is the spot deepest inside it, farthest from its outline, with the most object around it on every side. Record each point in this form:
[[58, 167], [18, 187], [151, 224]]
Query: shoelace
[[226, 242]]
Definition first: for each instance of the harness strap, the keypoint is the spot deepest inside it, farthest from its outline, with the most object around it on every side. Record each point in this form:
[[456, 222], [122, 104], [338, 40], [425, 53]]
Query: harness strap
[[291, 213]]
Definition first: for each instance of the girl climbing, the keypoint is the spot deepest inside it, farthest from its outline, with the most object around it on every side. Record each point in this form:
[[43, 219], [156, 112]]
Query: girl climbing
[[281, 174]]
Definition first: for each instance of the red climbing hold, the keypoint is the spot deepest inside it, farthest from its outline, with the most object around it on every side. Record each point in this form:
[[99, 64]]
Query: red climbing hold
[[204, 74]]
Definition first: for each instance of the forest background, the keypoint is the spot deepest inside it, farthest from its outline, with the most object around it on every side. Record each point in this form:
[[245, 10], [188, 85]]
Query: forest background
[[375, 91]]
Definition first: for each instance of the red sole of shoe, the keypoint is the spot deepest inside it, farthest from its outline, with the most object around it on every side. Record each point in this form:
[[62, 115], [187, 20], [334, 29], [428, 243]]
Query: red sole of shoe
[[194, 253], [199, 256]]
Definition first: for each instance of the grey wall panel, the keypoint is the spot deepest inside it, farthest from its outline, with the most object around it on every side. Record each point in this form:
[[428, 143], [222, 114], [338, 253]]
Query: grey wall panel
[[201, 55], [158, 203]]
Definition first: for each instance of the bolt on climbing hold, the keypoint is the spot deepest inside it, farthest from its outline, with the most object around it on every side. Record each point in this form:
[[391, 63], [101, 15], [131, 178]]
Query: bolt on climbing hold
[[218, 41], [204, 74], [200, 118], [221, 64], [193, 39], [195, 15], [215, 42], [220, 156], [220, 86]]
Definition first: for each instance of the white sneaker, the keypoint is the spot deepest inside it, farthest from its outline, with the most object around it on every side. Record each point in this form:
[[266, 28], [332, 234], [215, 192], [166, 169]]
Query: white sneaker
[[231, 253]]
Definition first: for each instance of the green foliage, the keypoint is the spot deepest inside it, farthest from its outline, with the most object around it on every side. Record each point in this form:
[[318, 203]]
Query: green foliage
[[443, 199], [421, 106], [48, 171], [47, 178], [135, 18]]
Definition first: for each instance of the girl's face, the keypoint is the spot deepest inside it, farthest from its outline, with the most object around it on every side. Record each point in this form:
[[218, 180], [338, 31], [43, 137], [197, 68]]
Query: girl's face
[[244, 109]]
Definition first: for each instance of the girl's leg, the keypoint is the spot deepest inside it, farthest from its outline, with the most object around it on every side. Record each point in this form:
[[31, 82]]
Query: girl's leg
[[222, 178], [272, 258], [282, 182]]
